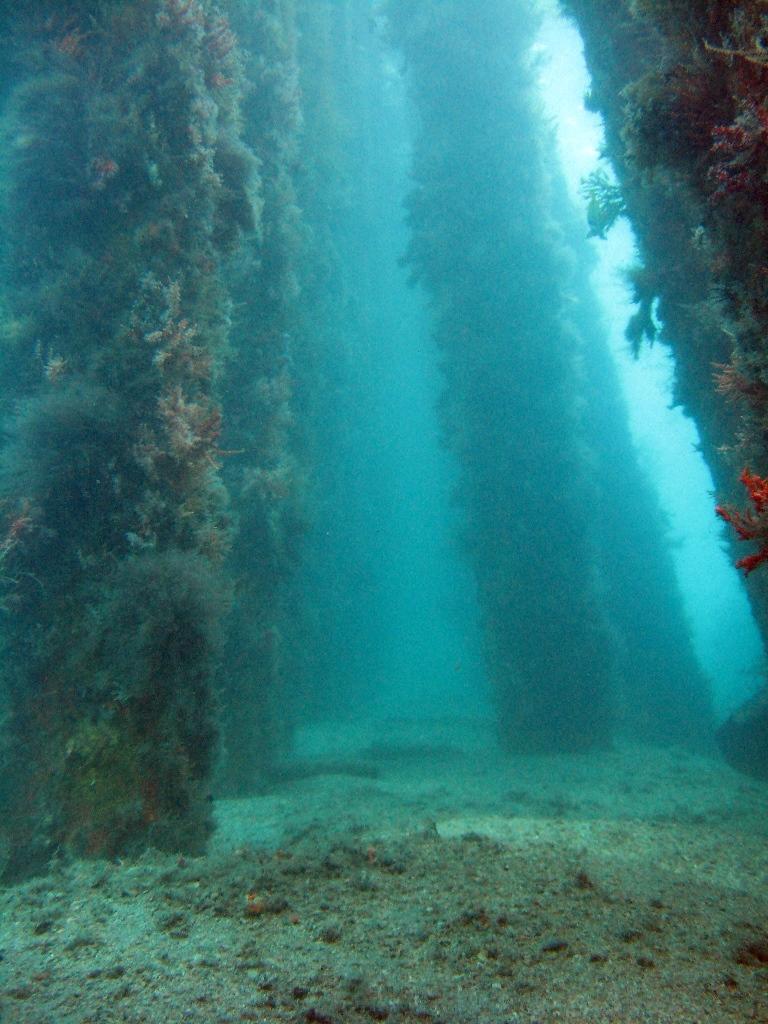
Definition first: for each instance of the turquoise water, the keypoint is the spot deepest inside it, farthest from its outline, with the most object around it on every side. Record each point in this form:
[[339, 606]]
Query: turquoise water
[[317, 407]]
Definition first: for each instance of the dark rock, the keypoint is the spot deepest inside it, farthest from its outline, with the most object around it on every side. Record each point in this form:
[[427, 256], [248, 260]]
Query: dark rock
[[753, 954], [555, 946], [315, 1016], [743, 738], [374, 1012]]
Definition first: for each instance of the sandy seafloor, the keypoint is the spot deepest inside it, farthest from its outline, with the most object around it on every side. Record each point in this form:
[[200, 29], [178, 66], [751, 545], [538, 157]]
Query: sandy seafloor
[[424, 880]]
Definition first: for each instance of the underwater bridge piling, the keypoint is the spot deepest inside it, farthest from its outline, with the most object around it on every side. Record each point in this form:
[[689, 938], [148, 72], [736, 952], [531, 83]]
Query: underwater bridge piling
[[682, 92], [584, 633], [127, 190]]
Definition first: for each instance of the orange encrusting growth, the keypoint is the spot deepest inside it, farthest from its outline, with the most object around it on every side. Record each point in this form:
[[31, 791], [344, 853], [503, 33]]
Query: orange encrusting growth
[[753, 523]]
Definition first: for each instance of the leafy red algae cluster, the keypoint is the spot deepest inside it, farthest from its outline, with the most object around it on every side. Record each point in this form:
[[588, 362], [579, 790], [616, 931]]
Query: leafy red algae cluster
[[753, 523]]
